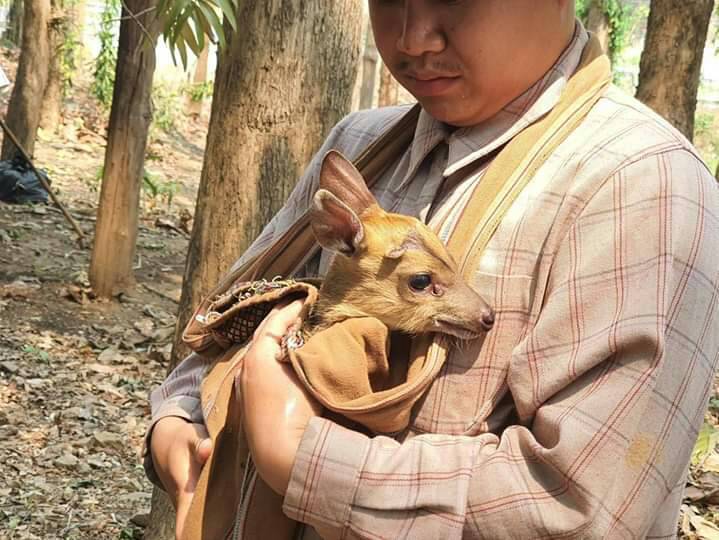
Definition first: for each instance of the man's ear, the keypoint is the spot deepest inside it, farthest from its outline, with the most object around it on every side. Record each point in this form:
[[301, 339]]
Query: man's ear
[[335, 225], [340, 177]]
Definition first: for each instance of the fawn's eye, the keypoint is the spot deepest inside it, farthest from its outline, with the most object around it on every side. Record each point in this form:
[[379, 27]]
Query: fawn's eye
[[419, 282]]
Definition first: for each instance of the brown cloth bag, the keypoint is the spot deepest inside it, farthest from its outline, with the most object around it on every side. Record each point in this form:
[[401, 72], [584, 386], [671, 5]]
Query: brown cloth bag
[[215, 509]]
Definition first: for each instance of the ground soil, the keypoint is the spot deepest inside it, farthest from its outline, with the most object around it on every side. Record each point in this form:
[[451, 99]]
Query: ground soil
[[75, 372]]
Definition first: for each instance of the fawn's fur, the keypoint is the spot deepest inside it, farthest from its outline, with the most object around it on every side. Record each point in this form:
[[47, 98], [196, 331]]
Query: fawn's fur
[[388, 266]]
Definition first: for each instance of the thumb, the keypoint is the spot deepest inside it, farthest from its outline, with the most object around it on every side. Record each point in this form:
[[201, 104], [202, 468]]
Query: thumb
[[203, 448]]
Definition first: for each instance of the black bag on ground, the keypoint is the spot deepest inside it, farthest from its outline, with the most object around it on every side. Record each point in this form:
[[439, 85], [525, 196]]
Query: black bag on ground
[[19, 183]]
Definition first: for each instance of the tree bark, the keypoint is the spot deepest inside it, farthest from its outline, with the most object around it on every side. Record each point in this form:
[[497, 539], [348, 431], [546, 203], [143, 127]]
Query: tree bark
[[388, 88], [598, 23], [23, 111], [199, 77], [278, 91], [52, 100], [130, 115], [370, 67], [13, 30], [670, 66], [161, 525]]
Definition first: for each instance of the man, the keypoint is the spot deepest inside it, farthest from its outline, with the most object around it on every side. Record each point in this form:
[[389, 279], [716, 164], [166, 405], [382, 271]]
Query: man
[[576, 415]]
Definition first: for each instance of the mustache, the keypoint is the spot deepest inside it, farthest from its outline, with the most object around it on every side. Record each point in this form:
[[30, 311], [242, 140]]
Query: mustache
[[434, 66]]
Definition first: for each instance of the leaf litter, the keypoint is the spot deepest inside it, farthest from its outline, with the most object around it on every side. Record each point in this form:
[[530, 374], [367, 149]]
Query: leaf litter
[[76, 372]]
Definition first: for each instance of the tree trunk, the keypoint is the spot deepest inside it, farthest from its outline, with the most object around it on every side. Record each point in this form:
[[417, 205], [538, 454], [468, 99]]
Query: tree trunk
[[117, 216], [13, 30], [388, 88], [194, 107], [263, 130], [370, 65], [598, 23], [52, 101], [671, 62], [161, 525], [23, 111]]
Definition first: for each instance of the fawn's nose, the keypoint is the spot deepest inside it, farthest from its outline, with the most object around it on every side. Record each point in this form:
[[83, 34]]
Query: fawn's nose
[[487, 319]]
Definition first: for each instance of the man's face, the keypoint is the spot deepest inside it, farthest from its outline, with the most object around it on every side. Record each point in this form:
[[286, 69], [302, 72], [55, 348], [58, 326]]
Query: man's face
[[464, 60]]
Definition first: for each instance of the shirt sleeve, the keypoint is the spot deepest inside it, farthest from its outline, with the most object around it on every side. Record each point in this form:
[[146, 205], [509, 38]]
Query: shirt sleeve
[[610, 385]]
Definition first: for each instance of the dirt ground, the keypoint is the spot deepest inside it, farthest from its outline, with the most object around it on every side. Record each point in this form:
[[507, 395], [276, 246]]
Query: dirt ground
[[75, 372]]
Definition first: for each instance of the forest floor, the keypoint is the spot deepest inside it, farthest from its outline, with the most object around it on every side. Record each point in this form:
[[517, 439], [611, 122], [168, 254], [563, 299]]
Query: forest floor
[[75, 372]]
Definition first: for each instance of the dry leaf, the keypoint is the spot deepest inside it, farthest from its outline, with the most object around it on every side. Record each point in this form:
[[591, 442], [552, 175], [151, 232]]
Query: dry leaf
[[705, 529]]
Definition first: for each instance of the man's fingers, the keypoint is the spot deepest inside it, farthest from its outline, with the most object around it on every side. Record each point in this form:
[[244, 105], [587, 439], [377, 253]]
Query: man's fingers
[[282, 318], [285, 314], [279, 321], [203, 449]]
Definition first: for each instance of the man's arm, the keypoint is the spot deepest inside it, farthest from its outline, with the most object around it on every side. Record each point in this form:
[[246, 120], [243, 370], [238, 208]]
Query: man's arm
[[179, 394], [611, 385]]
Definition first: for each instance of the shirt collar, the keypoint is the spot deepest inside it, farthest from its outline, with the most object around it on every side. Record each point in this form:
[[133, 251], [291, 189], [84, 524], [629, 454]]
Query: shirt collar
[[472, 143]]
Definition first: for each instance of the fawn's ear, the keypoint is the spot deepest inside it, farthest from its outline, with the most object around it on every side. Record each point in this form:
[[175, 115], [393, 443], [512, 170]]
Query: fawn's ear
[[340, 177], [334, 224]]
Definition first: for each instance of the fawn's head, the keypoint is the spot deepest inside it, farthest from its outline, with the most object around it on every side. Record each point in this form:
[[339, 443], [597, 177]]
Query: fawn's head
[[388, 266]]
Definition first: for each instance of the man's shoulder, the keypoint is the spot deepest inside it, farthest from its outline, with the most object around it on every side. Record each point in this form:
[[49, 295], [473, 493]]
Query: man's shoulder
[[624, 126], [358, 129]]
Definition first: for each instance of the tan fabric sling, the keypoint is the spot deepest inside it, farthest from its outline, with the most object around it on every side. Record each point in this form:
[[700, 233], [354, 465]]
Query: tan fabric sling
[[215, 508]]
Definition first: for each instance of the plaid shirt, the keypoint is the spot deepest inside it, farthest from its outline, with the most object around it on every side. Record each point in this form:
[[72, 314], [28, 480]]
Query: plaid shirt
[[576, 415]]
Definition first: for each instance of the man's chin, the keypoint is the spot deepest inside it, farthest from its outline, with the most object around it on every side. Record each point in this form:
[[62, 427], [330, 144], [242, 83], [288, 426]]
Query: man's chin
[[451, 112]]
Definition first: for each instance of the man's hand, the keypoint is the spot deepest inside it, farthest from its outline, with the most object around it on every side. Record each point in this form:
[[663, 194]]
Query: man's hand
[[276, 408], [179, 450]]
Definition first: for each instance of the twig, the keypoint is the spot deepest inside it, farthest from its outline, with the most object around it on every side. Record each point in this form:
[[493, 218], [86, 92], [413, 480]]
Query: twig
[[134, 17], [68, 217], [160, 293], [138, 14]]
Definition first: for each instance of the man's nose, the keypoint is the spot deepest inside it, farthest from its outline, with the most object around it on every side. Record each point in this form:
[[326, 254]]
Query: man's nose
[[421, 32]]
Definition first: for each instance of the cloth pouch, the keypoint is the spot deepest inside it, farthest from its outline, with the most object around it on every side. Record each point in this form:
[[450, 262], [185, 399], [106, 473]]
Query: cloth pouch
[[353, 368]]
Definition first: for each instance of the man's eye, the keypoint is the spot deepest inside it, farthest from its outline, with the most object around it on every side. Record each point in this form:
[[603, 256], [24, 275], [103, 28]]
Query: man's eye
[[420, 282]]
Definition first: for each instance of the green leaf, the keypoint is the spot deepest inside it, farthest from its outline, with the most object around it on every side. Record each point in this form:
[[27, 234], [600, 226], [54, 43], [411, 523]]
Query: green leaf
[[214, 21], [228, 9], [176, 46], [202, 27], [178, 7], [189, 36], [706, 442], [183, 55], [189, 22]]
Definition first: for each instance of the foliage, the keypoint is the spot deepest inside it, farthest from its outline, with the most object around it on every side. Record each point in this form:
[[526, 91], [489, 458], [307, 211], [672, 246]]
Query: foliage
[[199, 91], [40, 355], [165, 106], [706, 443], [69, 48], [187, 23], [13, 23], [621, 18], [582, 9], [155, 187], [706, 137], [104, 74]]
